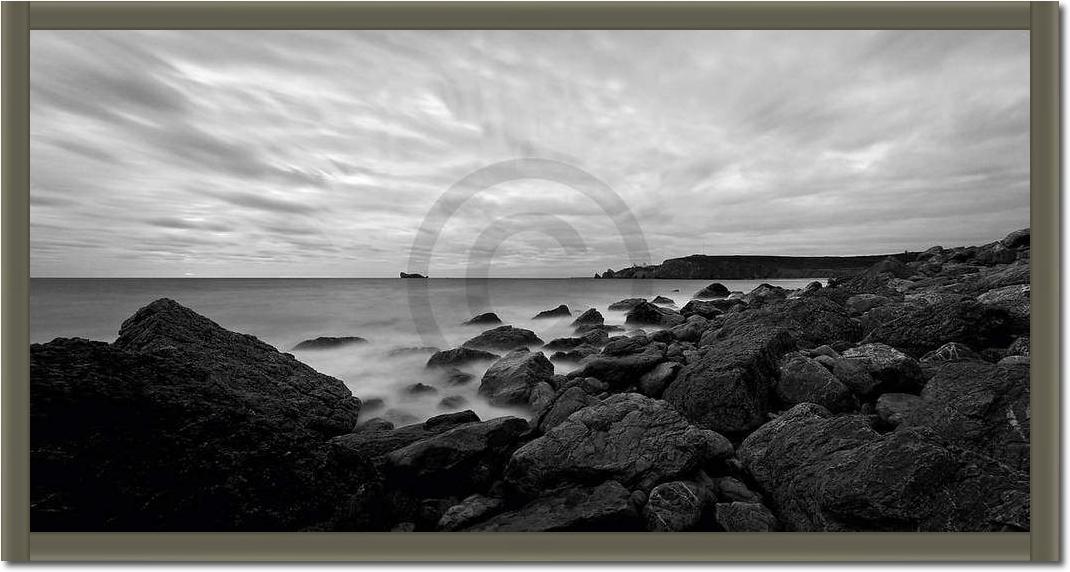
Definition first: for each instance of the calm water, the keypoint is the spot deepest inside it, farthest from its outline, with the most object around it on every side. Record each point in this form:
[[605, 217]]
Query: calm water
[[390, 313]]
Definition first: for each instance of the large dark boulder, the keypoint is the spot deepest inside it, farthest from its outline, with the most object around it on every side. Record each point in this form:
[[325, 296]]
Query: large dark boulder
[[509, 381], [918, 329], [708, 308], [888, 369], [561, 311], [588, 317], [182, 425], [715, 290], [626, 304], [804, 380], [1017, 239], [458, 357], [622, 362], [729, 387], [329, 343], [812, 321], [676, 506], [368, 446], [460, 461], [738, 516], [504, 338], [836, 473], [979, 406], [603, 508], [629, 438], [484, 319], [1014, 300], [647, 314]]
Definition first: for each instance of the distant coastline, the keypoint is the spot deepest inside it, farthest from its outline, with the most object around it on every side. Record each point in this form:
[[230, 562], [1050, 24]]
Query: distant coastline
[[748, 267]]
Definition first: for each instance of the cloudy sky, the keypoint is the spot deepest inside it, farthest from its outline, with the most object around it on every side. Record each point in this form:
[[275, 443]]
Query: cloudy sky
[[277, 153]]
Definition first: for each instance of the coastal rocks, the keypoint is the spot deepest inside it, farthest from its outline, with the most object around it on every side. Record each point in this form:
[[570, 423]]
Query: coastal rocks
[[459, 356], [917, 330], [504, 338], [889, 369], [622, 361], [861, 303], [654, 382], [402, 352], [647, 314], [675, 506], [715, 290], [329, 343], [179, 426], [804, 380], [812, 321], [419, 389], [892, 408], [1017, 239], [626, 304], [588, 317], [413, 275], [603, 508], [363, 446], [979, 406], [764, 293], [561, 311], [564, 404], [951, 351], [574, 355], [835, 473], [728, 387], [745, 517], [1014, 300], [509, 381], [662, 300], [629, 438], [708, 308], [471, 510], [485, 318], [458, 461]]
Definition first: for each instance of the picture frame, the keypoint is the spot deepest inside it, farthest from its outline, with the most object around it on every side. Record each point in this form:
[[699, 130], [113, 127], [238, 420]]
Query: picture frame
[[1041, 544]]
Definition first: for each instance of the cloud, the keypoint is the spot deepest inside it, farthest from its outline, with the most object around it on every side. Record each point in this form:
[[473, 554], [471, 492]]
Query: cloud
[[297, 153]]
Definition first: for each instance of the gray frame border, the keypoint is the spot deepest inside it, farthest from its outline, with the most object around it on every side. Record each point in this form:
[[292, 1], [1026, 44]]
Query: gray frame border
[[1041, 18]]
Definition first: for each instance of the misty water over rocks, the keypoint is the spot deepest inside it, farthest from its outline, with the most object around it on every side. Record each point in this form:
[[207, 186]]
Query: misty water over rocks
[[386, 370]]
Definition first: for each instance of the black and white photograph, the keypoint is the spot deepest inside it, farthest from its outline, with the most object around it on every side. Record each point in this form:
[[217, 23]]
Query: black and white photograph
[[530, 280]]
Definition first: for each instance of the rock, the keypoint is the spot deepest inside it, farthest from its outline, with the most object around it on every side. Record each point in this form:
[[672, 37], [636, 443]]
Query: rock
[[1020, 347], [459, 461], [564, 343], [372, 404], [399, 352], [328, 343], [732, 489], [647, 314], [509, 381], [861, 303], [374, 424], [413, 275], [1014, 300], [626, 304], [589, 317], [654, 382], [892, 408], [459, 357], [452, 402], [1014, 361], [470, 511], [1016, 239], [564, 404], [400, 417], [978, 406], [691, 331], [917, 330], [406, 526], [951, 351], [182, 425], [675, 506], [765, 293], [594, 386], [622, 362], [708, 308], [484, 319], [889, 369], [558, 312], [997, 277], [542, 396], [803, 380], [504, 338], [603, 508], [662, 300], [420, 389], [729, 387], [715, 290], [812, 321], [826, 351], [835, 473], [369, 446], [575, 355], [454, 376], [745, 517], [629, 438], [826, 361], [597, 328]]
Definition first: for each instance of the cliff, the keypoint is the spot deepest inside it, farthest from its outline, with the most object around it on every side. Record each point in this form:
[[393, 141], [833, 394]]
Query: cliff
[[744, 267]]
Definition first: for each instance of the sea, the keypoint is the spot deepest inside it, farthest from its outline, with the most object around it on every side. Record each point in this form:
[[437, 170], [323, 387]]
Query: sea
[[391, 313]]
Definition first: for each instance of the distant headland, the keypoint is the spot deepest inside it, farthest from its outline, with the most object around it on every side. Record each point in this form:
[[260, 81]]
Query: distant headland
[[407, 275], [745, 267]]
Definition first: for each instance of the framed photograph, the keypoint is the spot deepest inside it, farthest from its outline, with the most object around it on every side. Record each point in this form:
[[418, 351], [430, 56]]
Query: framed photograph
[[542, 281]]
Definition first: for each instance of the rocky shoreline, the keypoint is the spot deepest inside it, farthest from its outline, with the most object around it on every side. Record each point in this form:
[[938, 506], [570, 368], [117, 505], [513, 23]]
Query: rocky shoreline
[[894, 399]]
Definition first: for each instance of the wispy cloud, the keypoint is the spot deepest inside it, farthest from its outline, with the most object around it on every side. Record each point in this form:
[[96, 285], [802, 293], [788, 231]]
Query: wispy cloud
[[318, 153]]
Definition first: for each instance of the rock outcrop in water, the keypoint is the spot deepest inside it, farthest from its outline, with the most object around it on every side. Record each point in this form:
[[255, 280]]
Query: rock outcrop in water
[[895, 399]]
